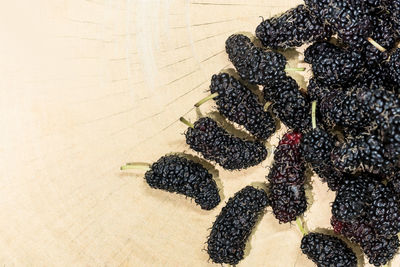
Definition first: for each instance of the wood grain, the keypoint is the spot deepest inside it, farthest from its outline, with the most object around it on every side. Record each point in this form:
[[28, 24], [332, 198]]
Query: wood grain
[[88, 85]]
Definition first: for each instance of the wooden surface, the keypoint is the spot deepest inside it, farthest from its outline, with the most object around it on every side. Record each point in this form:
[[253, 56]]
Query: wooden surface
[[89, 85]]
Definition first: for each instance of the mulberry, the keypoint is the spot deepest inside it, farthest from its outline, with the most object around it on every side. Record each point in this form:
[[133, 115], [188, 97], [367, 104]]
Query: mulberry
[[332, 65], [177, 174], [378, 249], [239, 104], [352, 199], [288, 167], [351, 20], [227, 240], [293, 28], [288, 201], [316, 147], [216, 144], [289, 105], [384, 211], [383, 34], [364, 152], [254, 64], [325, 250], [394, 67]]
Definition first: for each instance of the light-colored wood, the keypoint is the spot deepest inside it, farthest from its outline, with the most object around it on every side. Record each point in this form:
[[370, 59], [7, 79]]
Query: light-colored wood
[[88, 85]]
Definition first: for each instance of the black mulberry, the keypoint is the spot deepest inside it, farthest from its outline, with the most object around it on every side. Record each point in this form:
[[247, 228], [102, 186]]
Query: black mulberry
[[254, 64], [239, 104], [234, 224], [288, 166], [378, 249], [288, 104], [288, 201], [177, 174], [216, 144], [332, 65], [384, 210], [326, 251], [293, 28]]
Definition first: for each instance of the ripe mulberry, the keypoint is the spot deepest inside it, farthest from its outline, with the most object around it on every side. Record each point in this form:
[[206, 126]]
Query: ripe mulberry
[[384, 211], [378, 249], [288, 201], [394, 66], [216, 144], [332, 65], [364, 152], [254, 64], [351, 20], [288, 166], [293, 28], [239, 104], [227, 240], [177, 174], [325, 250], [352, 199], [288, 104]]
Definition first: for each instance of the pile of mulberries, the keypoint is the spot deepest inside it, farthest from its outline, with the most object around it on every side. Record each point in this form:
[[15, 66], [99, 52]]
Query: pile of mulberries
[[239, 104], [327, 250], [345, 127], [286, 178], [179, 175], [216, 144], [227, 240], [255, 64], [293, 28]]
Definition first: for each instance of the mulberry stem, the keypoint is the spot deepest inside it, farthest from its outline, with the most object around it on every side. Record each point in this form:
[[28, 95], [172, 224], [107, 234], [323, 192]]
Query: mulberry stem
[[378, 46], [313, 115], [300, 225], [136, 166], [266, 106], [204, 100], [185, 121], [295, 69]]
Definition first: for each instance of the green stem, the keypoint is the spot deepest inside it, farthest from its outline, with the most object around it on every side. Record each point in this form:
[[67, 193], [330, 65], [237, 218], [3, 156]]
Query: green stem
[[295, 69], [378, 46], [204, 100], [300, 225], [266, 106], [185, 121], [313, 114], [136, 166]]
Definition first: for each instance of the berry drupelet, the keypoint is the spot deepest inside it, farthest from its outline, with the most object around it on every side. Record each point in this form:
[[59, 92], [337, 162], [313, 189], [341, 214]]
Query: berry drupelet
[[177, 174], [239, 104], [288, 104], [230, 231], [293, 28], [378, 249], [254, 64], [325, 251], [332, 65], [216, 144]]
